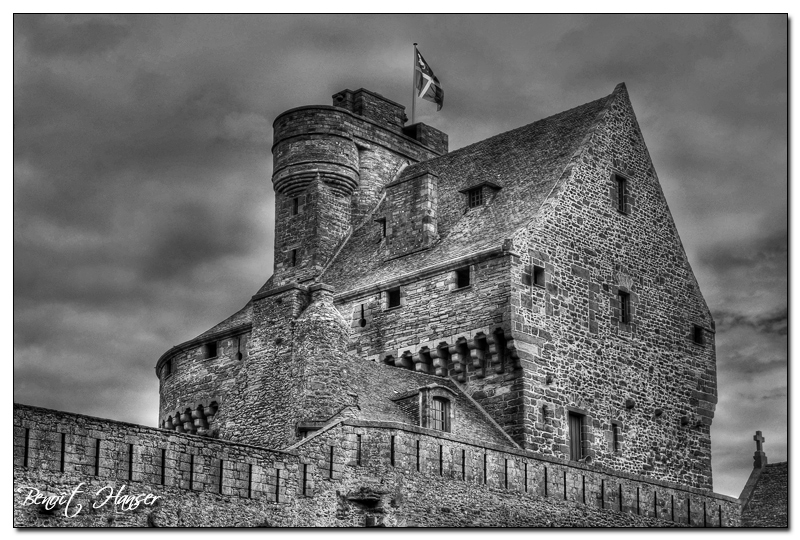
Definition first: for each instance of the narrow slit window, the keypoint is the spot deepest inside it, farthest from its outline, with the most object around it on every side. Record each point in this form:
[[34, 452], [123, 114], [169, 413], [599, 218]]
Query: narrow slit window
[[295, 206], [615, 432], [293, 256], [382, 225], [475, 197], [167, 368], [622, 192], [624, 307], [698, 335], [538, 276], [393, 297], [462, 277], [362, 322]]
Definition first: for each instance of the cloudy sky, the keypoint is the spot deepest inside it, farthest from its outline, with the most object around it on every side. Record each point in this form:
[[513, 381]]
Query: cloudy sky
[[143, 205]]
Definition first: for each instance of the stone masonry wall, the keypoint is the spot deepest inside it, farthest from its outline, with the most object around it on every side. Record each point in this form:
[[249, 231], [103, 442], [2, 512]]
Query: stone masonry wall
[[258, 486], [410, 214], [647, 376], [262, 406], [349, 475], [434, 313], [198, 380], [389, 474]]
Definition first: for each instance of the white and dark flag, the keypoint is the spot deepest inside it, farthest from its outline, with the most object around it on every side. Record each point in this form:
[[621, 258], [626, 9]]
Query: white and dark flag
[[428, 86]]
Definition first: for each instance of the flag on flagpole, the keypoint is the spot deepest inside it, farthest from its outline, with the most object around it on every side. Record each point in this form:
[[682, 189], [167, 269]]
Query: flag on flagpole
[[428, 86]]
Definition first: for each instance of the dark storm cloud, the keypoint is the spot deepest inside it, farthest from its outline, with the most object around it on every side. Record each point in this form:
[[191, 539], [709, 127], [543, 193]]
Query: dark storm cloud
[[774, 323], [143, 209], [49, 37]]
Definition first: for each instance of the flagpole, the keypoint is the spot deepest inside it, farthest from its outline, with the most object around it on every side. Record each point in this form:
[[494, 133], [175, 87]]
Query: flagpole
[[413, 85]]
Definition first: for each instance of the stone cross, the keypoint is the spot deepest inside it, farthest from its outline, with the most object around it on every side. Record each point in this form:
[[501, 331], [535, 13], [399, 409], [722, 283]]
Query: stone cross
[[759, 441], [759, 458]]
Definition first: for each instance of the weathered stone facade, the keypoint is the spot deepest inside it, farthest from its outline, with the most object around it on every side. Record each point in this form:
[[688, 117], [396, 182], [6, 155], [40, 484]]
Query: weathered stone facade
[[512, 328]]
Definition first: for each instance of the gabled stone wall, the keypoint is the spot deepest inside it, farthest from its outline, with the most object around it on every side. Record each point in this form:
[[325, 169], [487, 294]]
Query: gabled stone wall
[[646, 375]]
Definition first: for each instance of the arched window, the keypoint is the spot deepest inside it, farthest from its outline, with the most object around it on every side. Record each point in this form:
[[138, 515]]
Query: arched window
[[440, 414]]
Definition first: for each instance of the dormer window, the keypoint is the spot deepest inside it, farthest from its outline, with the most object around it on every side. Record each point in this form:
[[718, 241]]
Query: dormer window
[[440, 414], [475, 197], [480, 193]]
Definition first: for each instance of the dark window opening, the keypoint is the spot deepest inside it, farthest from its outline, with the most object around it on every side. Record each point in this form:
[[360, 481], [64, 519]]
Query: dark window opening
[[294, 257], [167, 368], [358, 449], [462, 277], [538, 276], [440, 414], [210, 350], [295, 206], [475, 197], [698, 335], [624, 307], [622, 192], [575, 436], [615, 432], [393, 297]]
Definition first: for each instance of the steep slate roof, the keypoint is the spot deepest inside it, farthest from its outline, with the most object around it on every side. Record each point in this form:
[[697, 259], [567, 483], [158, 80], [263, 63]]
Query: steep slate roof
[[768, 504], [525, 162], [240, 318]]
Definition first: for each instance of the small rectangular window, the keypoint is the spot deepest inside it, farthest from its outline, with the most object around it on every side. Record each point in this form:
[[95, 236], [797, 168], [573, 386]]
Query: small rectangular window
[[475, 197], [295, 206], [440, 414], [210, 350], [294, 257], [462, 277], [622, 191], [698, 335], [393, 297], [382, 224], [624, 307], [538, 276], [167, 370], [575, 436]]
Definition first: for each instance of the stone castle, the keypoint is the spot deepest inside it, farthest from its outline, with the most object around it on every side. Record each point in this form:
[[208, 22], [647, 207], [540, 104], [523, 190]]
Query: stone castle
[[509, 334]]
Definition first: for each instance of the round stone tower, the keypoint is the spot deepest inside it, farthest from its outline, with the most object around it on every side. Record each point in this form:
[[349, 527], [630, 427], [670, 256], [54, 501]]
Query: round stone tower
[[315, 172]]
